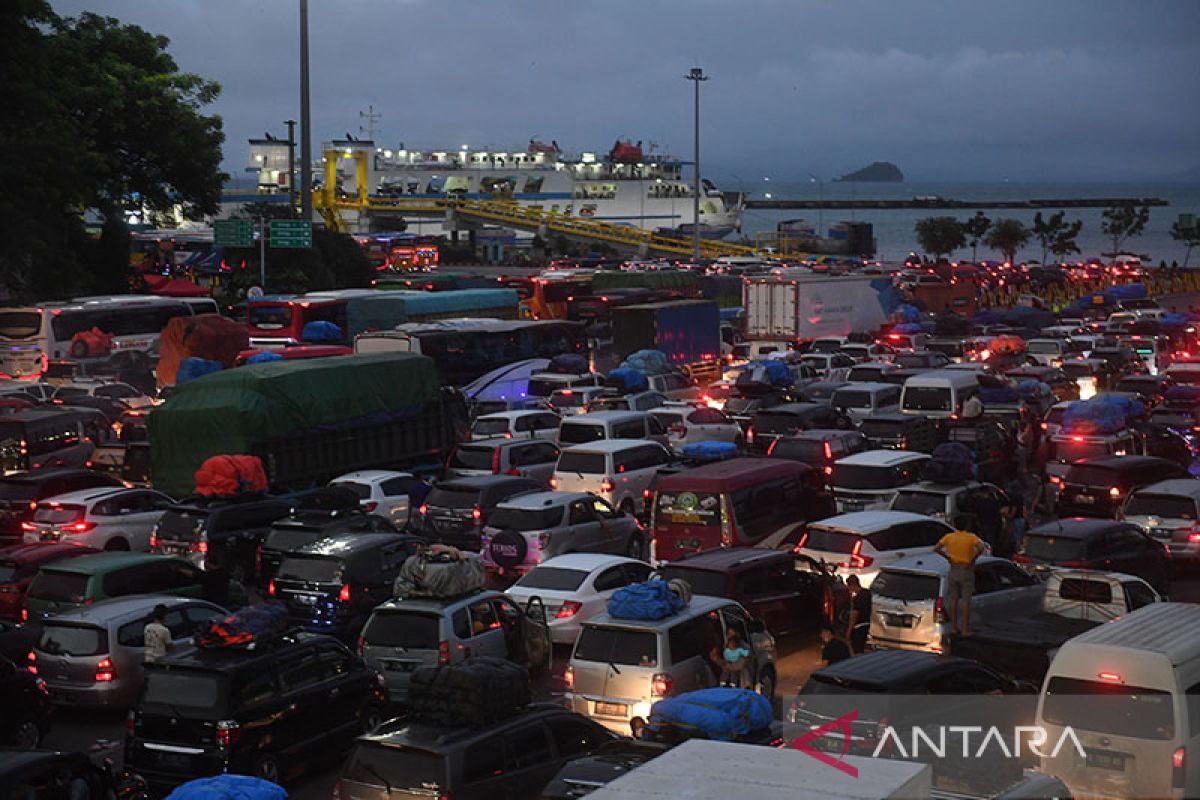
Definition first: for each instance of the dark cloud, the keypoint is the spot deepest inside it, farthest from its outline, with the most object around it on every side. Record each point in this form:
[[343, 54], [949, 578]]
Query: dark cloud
[[1020, 89]]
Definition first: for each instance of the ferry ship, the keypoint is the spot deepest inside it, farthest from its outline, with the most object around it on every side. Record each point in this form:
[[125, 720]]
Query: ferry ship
[[626, 185]]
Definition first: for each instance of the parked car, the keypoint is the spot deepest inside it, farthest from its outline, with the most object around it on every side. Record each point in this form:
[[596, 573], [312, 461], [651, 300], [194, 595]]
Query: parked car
[[1103, 544], [921, 359], [907, 610], [266, 711], [614, 400], [574, 401], [19, 563], [516, 425], [1096, 487], [818, 448], [512, 758], [526, 530], [660, 658], [900, 432], [93, 657], [674, 386], [107, 518], [455, 511], [27, 708], [405, 633], [303, 528], [594, 427], [690, 424], [16, 639], [1062, 386], [576, 587], [380, 491], [1168, 511], [617, 470], [790, 593], [786, 420], [870, 479], [864, 542], [332, 585], [219, 534], [67, 585], [21, 491], [527, 458], [861, 400], [944, 500], [871, 372], [1151, 388]]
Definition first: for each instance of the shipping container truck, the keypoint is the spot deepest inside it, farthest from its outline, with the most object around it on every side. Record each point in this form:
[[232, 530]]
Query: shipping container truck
[[308, 420], [785, 311], [687, 331]]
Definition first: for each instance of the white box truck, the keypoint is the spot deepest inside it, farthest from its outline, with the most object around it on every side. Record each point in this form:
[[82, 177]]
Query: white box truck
[[786, 310]]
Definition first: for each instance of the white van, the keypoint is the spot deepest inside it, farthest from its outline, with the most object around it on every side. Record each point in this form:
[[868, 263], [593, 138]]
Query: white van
[[938, 394], [1125, 690], [869, 480], [864, 542], [600, 425], [861, 400], [617, 470]]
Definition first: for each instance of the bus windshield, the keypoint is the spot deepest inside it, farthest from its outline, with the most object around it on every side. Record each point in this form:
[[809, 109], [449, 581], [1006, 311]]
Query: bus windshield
[[19, 325], [270, 317]]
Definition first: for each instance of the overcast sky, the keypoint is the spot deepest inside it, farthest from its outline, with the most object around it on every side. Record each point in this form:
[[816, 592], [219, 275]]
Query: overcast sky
[[961, 89]]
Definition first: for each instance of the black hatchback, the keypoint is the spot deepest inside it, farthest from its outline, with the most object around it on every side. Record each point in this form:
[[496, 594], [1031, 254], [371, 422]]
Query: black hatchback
[[332, 585], [1096, 487], [455, 511], [267, 709]]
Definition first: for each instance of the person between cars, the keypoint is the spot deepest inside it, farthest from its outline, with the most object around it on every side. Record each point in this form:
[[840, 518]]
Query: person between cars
[[156, 636], [418, 490], [972, 407], [833, 649], [961, 548], [735, 657], [860, 615]]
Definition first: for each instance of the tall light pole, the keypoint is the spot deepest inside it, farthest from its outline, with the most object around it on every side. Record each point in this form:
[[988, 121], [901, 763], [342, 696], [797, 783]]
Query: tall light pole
[[306, 207], [696, 75]]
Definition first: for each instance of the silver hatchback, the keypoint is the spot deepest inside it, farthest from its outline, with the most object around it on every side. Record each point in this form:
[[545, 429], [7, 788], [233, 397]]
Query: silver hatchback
[[92, 657]]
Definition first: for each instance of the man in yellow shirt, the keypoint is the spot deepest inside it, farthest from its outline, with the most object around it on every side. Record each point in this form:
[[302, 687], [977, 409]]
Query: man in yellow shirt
[[961, 548]]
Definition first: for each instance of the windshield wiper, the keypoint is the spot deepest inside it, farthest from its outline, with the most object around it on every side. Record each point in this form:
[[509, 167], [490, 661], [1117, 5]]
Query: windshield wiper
[[386, 784]]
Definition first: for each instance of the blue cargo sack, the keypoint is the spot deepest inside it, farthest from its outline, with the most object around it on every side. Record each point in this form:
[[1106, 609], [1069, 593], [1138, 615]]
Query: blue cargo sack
[[321, 331], [709, 451], [228, 787], [628, 379], [262, 358], [721, 713], [645, 601], [652, 362], [193, 367]]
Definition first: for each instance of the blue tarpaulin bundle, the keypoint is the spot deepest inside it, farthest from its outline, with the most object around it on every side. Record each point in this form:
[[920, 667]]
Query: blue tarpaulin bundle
[[907, 327], [262, 358], [950, 462], [1031, 387], [628, 379], [194, 367], [1128, 291], [770, 371], [228, 787], [1101, 414], [652, 362], [321, 331], [1173, 320], [1026, 317], [709, 451], [909, 312], [986, 317], [720, 713], [645, 601]]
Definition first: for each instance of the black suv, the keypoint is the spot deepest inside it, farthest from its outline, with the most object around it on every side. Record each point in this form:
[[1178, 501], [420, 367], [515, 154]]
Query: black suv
[[219, 533], [20, 492], [512, 758], [305, 527], [27, 707], [900, 432], [768, 425], [455, 511], [332, 585], [1097, 487], [263, 709]]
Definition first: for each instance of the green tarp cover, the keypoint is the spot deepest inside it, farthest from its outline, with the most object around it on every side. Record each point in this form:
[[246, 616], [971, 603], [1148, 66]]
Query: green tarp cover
[[645, 280], [226, 412], [386, 310]]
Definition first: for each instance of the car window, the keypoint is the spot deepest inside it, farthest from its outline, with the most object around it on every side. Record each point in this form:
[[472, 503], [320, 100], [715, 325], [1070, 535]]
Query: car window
[[1138, 594], [484, 759], [334, 661], [611, 578], [527, 746], [256, 687], [581, 512], [394, 555], [654, 427], [523, 423], [541, 453], [396, 486], [985, 579], [636, 573], [460, 622], [631, 429], [483, 617], [752, 582], [300, 670], [199, 614], [573, 736], [690, 640], [1010, 576]]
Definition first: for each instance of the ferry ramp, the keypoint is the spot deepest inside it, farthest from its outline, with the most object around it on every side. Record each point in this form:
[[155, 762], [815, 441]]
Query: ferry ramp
[[469, 213]]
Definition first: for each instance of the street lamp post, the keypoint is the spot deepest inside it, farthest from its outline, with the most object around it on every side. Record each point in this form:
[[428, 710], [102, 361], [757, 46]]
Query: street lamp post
[[306, 206], [696, 75]]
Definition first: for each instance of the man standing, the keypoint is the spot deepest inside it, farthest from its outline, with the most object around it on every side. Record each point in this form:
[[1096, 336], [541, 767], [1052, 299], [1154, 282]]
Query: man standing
[[833, 649], [961, 548], [860, 615], [156, 636]]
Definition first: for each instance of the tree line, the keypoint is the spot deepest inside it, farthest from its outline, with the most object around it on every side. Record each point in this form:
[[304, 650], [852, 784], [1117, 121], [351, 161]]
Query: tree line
[[1058, 236]]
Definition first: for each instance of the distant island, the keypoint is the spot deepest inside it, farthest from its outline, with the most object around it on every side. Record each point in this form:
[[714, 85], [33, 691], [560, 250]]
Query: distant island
[[879, 172]]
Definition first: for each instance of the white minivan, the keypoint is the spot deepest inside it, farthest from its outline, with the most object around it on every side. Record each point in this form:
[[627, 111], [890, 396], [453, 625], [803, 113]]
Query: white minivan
[[600, 425], [938, 394], [861, 400], [869, 480], [1125, 689], [617, 470]]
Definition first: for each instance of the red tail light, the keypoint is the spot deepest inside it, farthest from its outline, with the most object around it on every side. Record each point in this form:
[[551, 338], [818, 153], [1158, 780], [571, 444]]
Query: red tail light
[[1021, 558], [31, 662], [554, 483], [496, 461], [771, 446], [424, 509], [154, 543], [569, 677], [508, 434], [370, 507], [344, 594], [679, 430], [443, 653], [28, 527], [1114, 492], [81, 527], [24, 615], [199, 547], [477, 513], [750, 434], [1179, 768], [228, 733], [271, 588], [104, 671], [569, 609], [661, 685], [828, 451], [606, 485], [939, 610], [857, 560], [512, 471]]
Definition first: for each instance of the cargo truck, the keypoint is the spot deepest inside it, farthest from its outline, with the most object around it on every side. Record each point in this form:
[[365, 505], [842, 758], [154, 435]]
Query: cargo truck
[[687, 331], [784, 311], [308, 420]]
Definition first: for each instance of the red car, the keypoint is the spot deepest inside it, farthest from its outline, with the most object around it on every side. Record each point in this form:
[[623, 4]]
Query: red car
[[20, 562]]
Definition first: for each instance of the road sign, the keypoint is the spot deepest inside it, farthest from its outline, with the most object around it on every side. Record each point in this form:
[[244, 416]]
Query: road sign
[[291, 233], [233, 233]]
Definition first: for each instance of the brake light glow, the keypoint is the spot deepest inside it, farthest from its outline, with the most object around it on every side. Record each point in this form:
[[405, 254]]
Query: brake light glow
[[1111, 677], [607, 486], [800, 544], [477, 513], [771, 446], [939, 610], [370, 507], [28, 526], [31, 662], [104, 671], [228, 733], [1179, 768], [424, 509], [553, 485], [271, 588], [828, 451], [443, 653], [661, 685], [1114, 492], [344, 594], [569, 609], [569, 677], [154, 542]]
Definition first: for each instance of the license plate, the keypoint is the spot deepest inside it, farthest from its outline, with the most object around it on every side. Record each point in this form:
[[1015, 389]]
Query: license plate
[[400, 666], [899, 620], [612, 710], [1085, 499], [1105, 760], [176, 760], [446, 524], [174, 549], [305, 599], [48, 536], [687, 544]]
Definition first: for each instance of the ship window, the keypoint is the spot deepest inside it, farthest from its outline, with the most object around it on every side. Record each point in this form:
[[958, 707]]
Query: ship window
[[533, 184], [595, 191]]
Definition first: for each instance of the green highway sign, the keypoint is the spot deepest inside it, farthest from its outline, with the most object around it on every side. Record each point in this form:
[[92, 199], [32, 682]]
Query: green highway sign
[[233, 233], [291, 233]]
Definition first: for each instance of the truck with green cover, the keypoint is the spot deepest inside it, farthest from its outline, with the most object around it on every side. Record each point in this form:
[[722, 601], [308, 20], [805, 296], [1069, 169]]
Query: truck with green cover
[[308, 420]]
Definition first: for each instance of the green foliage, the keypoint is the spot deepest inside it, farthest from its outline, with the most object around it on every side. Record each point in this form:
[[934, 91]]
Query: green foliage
[[1121, 223], [940, 236], [1190, 237], [96, 116], [974, 229], [1007, 236], [1056, 235]]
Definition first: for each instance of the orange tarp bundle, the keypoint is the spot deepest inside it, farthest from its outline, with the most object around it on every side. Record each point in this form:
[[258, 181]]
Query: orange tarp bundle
[[208, 336], [226, 476]]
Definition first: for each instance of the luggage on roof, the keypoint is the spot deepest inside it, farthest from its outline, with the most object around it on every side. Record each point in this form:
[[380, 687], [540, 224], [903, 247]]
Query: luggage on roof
[[950, 462], [654, 599], [478, 691], [652, 362], [229, 476], [321, 331], [245, 626], [440, 572], [628, 379], [568, 364], [709, 451], [722, 714], [228, 787]]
